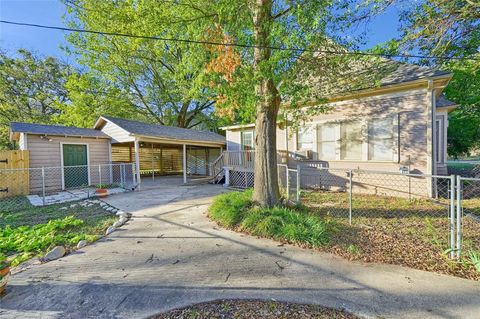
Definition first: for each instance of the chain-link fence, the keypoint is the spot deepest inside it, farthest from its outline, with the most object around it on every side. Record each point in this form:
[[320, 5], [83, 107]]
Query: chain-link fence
[[468, 217], [50, 185]]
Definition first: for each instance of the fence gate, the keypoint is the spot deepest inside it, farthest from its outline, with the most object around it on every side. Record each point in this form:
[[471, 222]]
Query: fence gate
[[468, 216], [14, 178]]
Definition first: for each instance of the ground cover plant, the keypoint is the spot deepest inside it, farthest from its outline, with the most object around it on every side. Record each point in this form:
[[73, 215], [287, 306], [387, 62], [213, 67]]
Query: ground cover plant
[[235, 210], [27, 231], [253, 309]]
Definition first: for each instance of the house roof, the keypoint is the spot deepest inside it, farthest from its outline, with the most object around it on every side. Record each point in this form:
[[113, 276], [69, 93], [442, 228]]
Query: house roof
[[443, 102], [331, 77], [57, 130], [163, 131]]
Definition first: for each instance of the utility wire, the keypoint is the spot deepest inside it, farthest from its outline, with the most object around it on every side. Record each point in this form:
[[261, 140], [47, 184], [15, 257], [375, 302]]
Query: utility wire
[[252, 46]]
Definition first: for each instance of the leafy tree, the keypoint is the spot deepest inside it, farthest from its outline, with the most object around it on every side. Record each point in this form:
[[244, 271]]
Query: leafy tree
[[164, 82], [445, 28], [32, 89], [253, 81], [90, 98]]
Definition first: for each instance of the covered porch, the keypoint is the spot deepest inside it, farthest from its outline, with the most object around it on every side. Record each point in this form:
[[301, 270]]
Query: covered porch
[[160, 150], [156, 160]]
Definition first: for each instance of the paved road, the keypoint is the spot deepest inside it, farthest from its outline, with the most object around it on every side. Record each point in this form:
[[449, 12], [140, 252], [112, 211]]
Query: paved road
[[171, 255]]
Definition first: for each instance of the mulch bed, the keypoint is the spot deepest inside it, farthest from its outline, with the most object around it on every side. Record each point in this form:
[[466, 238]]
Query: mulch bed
[[253, 309], [407, 243]]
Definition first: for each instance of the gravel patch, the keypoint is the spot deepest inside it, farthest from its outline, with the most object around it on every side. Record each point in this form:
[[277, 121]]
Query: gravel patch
[[254, 309]]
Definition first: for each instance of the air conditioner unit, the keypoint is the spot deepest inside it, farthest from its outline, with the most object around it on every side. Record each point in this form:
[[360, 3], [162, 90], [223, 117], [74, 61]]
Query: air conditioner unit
[[304, 155]]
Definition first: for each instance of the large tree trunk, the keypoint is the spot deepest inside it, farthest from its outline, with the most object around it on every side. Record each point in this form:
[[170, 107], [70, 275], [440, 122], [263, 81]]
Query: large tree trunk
[[266, 192]]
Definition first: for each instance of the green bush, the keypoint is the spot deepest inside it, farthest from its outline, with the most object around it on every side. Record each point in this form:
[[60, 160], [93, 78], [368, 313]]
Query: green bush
[[296, 225]]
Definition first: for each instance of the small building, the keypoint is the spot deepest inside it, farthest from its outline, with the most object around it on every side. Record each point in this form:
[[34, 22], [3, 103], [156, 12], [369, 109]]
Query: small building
[[74, 157]]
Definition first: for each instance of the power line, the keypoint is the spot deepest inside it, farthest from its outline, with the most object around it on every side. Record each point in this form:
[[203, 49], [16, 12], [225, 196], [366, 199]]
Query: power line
[[251, 46]]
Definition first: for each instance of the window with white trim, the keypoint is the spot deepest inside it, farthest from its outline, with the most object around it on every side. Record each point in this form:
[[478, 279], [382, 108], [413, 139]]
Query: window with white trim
[[327, 141], [305, 137], [248, 142], [381, 139], [351, 140]]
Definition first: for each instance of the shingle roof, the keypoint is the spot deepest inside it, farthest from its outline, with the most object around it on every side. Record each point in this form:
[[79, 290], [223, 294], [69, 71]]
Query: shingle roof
[[443, 102], [167, 132], [32, 128], [329, 78]]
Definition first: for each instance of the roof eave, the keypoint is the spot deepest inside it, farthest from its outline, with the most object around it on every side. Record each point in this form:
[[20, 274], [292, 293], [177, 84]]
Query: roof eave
[[178, 141]]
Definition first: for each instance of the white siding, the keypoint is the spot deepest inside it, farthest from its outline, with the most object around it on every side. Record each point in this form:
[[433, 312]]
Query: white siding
[[118, 134]]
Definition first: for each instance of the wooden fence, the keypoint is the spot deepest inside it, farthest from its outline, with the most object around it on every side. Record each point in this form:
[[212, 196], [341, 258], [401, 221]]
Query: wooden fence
[[14, 182]]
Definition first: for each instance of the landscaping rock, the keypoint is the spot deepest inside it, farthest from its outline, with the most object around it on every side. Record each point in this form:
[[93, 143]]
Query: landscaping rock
[[81, 244], [110, 230], [123, 220], [73, 205], [55, 253], [121, 214], [117, 224]]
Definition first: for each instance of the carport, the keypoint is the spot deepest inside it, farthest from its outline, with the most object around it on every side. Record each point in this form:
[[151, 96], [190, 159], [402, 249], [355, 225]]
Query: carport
[[159, 150]]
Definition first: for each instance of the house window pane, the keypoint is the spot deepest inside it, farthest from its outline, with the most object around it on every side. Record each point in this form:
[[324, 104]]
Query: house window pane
[[305, 138], [327, 142], [247, 141], [380, 139], [351, 141]]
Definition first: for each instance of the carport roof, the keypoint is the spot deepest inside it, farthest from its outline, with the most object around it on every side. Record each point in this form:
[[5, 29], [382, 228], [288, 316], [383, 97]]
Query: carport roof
[[162, 131]]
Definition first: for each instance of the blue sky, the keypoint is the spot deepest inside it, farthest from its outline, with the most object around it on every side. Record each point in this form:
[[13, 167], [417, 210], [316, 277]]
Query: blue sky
[[50, 12]]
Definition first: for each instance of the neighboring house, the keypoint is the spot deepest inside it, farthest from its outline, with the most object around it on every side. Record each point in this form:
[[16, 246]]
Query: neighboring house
[[401, 124], [155, 149]]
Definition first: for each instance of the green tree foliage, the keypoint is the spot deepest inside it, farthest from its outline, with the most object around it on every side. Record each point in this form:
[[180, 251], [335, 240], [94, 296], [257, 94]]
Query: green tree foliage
[[254, 81], [447, 28], [90, 98], [163, 81], [451, 28], [32, 89]]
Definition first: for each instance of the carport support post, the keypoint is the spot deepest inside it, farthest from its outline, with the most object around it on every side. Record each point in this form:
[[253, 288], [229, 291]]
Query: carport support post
[[184, 163], [137, 162]]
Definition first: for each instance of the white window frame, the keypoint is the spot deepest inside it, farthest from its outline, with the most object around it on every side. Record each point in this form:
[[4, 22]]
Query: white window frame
[[242, 145], [313, 129], [365, 145], [394, 138], [319, 140]]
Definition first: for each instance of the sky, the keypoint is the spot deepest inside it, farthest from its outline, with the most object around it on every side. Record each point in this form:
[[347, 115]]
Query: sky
[[50, 12]]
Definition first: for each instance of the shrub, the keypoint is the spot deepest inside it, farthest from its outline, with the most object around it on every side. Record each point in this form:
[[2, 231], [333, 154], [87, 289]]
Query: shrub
[[290, 224]]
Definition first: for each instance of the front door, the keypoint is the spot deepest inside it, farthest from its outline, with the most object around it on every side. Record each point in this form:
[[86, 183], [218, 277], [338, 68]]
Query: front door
[[75, 169]]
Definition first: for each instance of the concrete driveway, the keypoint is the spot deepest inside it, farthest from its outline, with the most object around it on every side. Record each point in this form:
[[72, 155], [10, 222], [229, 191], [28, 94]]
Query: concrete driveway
[[171, 255]]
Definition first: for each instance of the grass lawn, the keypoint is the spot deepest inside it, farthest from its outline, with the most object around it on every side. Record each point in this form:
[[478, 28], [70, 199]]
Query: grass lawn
[[384, 229], [27, 231]]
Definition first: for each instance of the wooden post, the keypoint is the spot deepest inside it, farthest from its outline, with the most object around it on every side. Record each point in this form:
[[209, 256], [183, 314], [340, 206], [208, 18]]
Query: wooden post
[[137, 162], [184, 163]]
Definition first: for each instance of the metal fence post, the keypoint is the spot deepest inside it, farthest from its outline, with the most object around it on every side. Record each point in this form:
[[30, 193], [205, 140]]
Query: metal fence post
[[452, 216], [100, 176], [298, 183], [43, 186], [459, 216], [350, 188], [287, 183]]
